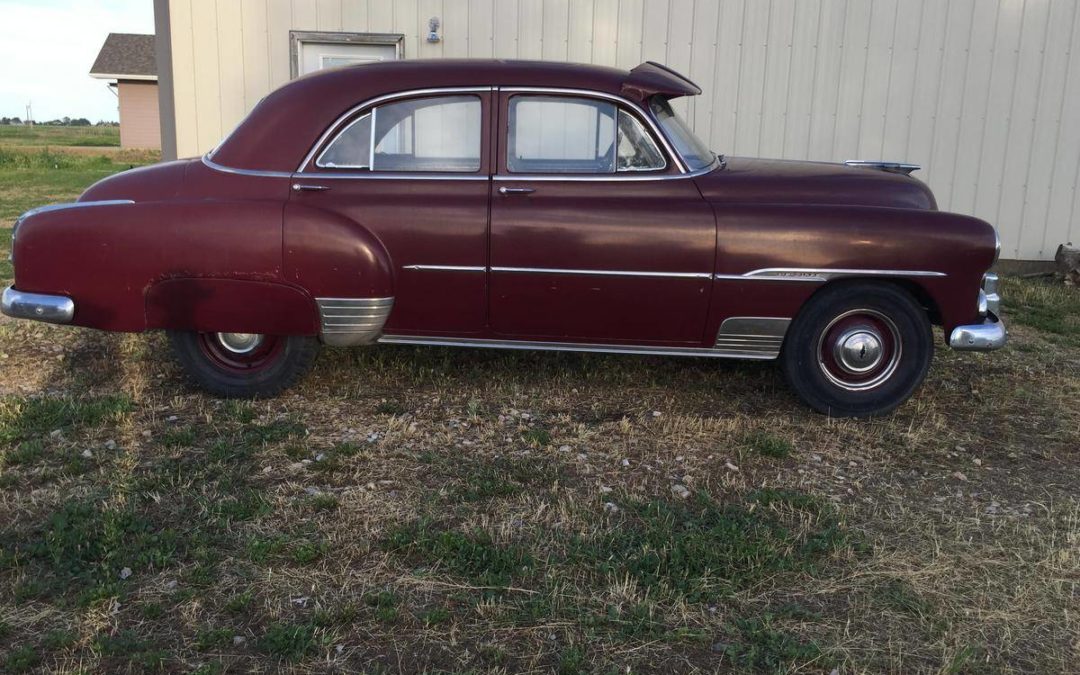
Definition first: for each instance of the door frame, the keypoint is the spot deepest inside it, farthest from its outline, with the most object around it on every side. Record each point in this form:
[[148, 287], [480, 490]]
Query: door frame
[[298, 37]]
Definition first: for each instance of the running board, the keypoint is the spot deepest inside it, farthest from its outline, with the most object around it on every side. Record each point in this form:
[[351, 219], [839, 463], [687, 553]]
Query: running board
[[578, 347]]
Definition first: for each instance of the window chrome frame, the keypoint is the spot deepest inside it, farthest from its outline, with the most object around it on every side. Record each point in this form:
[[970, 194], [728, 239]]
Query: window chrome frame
[[619, 110], [347, 116], [345, 130], [642, 113]]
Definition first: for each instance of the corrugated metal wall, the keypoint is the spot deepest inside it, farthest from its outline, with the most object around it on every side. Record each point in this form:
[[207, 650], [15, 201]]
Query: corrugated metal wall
[[985, 94]]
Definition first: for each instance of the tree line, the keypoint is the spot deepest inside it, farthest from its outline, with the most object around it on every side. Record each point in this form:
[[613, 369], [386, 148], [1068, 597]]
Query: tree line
[[63, 122]]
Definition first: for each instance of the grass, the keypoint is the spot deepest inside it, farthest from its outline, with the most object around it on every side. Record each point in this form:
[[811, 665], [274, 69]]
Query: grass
[[41, 134], [525, 505]]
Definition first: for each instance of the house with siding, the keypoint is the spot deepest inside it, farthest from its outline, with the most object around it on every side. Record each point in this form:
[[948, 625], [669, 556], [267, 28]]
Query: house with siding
[[129, 63], [983, 95]]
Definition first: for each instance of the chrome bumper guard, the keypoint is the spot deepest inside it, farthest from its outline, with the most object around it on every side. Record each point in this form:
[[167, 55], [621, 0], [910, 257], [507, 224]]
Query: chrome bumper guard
[[37, 306], [984, 337]]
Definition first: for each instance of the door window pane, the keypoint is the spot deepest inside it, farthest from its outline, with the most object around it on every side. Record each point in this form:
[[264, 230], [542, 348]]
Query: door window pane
[[637, 149], [554, 134], [560, 134], [429, 134], [352, 148]]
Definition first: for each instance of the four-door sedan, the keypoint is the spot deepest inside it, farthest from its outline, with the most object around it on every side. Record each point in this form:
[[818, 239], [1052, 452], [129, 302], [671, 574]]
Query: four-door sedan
[[515, 205]]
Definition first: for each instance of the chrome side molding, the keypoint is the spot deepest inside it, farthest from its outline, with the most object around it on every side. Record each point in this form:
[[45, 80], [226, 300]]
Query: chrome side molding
[[349, 322], [602, 273], [433, 341], [752, 336], [37, 306]]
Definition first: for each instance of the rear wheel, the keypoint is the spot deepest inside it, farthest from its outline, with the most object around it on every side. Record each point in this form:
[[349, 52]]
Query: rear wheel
[[244, 365], [858, 349]]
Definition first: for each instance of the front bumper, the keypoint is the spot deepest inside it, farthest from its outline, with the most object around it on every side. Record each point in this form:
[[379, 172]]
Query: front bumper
[[37, 306], [984, 337]]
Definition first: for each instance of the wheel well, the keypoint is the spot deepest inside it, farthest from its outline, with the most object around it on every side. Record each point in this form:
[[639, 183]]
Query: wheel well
[[925, 300]]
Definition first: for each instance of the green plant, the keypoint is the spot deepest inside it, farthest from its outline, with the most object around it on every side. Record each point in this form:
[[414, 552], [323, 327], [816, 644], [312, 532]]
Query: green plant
[[769, 445]]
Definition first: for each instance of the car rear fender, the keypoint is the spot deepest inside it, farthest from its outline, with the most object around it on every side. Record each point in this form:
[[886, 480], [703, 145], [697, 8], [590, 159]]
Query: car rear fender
[[345, 267]]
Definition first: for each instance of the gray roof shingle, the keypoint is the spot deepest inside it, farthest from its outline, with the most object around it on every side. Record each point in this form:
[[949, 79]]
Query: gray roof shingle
[[126, 54]]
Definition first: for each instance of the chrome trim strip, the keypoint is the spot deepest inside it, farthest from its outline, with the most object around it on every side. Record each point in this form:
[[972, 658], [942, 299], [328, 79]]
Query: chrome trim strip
[[602, 273], [534, 177], [569, 347], [825, 273], [380, 99], [37, 306], [984, 337], [762, 336], [746, 277], [446, 268], [310, 175], [72, 205], [243, 172], [680, 163], [348, 322]]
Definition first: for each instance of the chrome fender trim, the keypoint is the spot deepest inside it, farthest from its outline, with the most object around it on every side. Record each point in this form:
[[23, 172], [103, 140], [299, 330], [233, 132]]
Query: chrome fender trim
[[349, 322], [37, 306], [984, 337], [752, 336]]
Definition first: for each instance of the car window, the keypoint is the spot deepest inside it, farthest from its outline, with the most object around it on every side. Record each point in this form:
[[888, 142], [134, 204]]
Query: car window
[[561, 134], [692, 149], [429, 134]]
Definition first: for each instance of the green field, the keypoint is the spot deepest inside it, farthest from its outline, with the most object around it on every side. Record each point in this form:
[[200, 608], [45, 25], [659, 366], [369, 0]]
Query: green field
[[34, 175], [412, 509], [42, 135]]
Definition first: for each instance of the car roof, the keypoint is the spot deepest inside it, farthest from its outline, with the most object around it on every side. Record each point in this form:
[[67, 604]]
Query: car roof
[[283, 126]]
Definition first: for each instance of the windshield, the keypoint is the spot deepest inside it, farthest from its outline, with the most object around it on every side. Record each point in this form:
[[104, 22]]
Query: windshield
[[696, 154]]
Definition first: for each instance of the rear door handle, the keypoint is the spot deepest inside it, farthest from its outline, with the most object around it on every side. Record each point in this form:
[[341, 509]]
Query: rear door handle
[[515, 190], [300, 187]]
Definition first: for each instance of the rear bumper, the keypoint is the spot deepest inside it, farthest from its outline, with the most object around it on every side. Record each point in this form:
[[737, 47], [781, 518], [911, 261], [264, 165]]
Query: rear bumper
[[983, 337], [37, 306]]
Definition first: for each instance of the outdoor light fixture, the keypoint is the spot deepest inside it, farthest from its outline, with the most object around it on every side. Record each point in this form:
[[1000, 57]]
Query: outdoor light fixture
[[433, 30]]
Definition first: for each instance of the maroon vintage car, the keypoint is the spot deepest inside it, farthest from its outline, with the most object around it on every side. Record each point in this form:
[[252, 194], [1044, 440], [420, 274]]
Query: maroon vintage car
[[517, 205]]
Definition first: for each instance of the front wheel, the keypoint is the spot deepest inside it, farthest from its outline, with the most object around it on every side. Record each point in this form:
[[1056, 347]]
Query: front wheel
[[244, 365], [858, 349]]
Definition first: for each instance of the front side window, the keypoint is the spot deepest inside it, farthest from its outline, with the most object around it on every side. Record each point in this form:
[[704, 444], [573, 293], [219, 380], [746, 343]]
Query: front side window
[[560, 134], [691, 148], [428, 134]]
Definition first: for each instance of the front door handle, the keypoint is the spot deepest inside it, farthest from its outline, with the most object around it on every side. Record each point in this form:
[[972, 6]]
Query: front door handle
[[515, 190], [301, 187]]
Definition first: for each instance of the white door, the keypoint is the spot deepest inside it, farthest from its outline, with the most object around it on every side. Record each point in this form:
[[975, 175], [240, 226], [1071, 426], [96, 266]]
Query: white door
[[320, 55]]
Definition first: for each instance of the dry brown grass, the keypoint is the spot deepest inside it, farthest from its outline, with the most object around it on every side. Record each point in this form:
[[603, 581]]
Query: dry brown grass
[[463, 502]]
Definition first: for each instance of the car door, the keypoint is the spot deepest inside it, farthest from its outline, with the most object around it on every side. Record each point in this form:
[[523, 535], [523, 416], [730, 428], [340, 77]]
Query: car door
[[414, 171], [595, 234]]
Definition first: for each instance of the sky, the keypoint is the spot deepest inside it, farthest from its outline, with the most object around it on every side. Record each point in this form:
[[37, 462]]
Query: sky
[[47, 48]]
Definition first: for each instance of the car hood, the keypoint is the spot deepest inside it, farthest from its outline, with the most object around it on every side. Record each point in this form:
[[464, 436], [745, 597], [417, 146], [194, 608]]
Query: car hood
[[774, 181]]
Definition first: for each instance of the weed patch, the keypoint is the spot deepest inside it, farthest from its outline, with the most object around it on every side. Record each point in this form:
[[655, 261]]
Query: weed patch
[[474, 555], [705, 550], [26, 418], [768, 445]]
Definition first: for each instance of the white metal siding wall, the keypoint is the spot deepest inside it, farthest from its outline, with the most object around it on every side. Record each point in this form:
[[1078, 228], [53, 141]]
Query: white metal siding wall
[[985, 94]]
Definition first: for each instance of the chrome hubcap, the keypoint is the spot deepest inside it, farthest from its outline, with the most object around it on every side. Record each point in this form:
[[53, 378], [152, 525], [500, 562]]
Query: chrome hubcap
[[858, 350], [240, 343]]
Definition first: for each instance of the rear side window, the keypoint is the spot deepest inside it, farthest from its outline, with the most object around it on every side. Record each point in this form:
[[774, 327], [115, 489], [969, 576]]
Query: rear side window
[[562, 134], [428, 134]]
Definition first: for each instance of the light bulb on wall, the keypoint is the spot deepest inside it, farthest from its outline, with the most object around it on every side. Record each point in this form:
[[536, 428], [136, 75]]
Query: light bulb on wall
[[433, 29]]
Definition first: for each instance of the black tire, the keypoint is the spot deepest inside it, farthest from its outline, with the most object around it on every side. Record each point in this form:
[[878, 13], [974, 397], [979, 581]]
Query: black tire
[[277, 364], [833, 339]]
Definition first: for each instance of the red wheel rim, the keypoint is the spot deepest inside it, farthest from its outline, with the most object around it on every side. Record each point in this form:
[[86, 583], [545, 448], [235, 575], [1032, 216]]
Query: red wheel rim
[[242, 353], [859, 349]]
